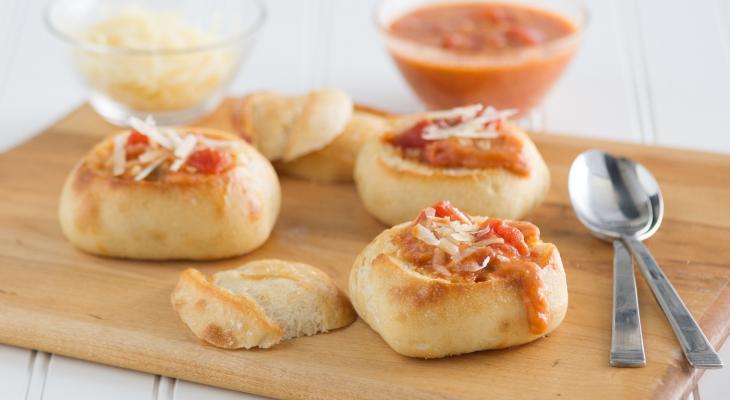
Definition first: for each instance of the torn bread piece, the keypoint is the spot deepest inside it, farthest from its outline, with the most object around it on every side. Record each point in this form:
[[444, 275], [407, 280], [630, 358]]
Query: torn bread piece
[[316, 136], [287, 127], [260, 304]]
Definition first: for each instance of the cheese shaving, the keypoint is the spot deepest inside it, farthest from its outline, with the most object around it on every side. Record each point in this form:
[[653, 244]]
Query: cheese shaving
[[448, 246], [425, 235], [480, 125], [119, 155], [149, 129], [466, 112], [148, 170], [172, 135], [186, 147], [149, 155], [177, 164]]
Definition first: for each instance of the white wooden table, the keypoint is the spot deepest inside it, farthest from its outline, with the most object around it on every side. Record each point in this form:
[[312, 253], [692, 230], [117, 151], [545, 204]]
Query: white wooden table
[[649, 71]]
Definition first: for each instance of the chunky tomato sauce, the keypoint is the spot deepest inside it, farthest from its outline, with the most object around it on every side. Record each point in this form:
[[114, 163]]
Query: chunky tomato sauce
[[481, 29], [504, 151], [496, 249]]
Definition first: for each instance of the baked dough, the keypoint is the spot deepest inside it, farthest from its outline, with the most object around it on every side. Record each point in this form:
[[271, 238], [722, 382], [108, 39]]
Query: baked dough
[[260, 304], [287, 127], [429, 316], [316, 136], [188, 216], [336, 161], [394, 188]]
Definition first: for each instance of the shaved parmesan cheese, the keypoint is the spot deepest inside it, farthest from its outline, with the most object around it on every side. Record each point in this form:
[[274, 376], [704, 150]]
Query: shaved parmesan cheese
[[461, 227], [421, 233], [148, 128], [216, 144], [448, 246], [477, 126], [186, 147], [460, 237], [172, 134], [466, 112], [148, 170], [119, 155], [486, 262], [150, 155], [177, 164]]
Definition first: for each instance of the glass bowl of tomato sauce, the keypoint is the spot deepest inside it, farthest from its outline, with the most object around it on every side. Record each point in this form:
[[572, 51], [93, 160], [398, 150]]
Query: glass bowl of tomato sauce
[[506, 53]]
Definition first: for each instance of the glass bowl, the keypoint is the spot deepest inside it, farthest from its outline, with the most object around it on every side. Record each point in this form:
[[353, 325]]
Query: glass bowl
[[511, 78], [169, 59]]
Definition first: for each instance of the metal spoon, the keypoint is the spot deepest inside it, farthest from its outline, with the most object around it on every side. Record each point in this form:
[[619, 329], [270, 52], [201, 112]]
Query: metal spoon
[[634, 191], [607, 217]]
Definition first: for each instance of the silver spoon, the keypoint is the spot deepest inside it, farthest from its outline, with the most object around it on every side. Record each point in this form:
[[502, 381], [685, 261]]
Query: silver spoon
[[616, 214], [607, 217]]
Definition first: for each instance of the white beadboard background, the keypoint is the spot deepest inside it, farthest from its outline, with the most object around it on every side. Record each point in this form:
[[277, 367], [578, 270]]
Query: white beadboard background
[[649, 71]]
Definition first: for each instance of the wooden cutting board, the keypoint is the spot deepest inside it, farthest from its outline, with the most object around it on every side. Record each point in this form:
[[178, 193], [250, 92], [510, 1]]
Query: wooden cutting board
[[57, 299]]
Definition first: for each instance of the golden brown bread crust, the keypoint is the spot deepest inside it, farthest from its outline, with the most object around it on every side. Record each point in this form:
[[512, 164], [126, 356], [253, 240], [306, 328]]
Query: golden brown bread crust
[[216, 316], [422, 316], [260, 304], [204, 217], [395, 189]]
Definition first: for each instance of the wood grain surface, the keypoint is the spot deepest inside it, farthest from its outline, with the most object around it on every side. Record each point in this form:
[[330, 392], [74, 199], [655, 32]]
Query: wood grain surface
[[57, 299]]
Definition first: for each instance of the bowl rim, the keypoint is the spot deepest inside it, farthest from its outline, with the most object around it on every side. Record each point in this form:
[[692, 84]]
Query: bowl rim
[[446, 56], [243, 34]]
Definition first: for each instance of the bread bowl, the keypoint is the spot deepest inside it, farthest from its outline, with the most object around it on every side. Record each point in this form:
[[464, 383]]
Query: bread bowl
[[447, 283], [260, 304], [316, 136], [471, 155], [164, 193]]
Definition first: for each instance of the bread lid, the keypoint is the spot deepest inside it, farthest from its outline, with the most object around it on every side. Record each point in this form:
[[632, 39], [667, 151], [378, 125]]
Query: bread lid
[[288, 127]]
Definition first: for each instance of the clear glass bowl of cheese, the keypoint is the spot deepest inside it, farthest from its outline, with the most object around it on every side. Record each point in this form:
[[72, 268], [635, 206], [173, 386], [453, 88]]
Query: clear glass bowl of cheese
[[169, 59]]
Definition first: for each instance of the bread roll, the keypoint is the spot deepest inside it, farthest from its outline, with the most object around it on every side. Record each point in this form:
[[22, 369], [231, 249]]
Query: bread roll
[[260, 304], [429, 304], [316, 136], [393, 186], [336, 161], [189, 213], [287, 127]]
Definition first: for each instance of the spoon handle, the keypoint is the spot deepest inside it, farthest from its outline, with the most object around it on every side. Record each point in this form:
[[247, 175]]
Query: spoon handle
[[627, 345], [696, 347]]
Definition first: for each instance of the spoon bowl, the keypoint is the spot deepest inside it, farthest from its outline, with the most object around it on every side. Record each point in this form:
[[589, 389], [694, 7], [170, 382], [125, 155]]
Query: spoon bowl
[[613, 196]]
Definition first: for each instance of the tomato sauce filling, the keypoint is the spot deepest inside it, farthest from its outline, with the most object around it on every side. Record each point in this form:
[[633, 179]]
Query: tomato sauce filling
[[481, 29], [445, 243], [503, 150]]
